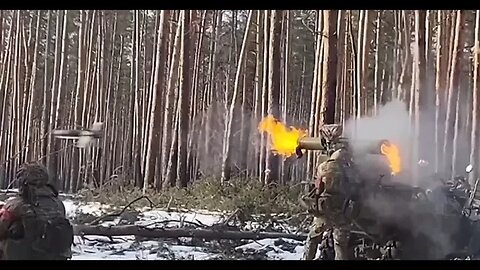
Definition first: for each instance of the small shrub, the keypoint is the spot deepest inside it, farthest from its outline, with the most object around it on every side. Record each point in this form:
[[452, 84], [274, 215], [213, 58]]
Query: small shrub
[[248, 195]]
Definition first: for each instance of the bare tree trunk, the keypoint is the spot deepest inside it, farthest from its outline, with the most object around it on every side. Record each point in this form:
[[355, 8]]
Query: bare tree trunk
[[354, 69], [420, 83], [474, 139], [316, 90], [341, 91], [33, 92], [172, 155], [266, 52], [329, 80], [46, 90], [452, 89], [7, 104], [402, 86], [148, 97], [137, 170], [108, 151], [195, 106], [376, 81], [88, 102], [210, 104], [258, 113], [439, 87], [359, 61], [183, 103], [272, 162], [227, 140], [56, 93], [345, 90], [78, 98], [167, 122], [155, 117], [456, 130], [60, 94], [2, 53]]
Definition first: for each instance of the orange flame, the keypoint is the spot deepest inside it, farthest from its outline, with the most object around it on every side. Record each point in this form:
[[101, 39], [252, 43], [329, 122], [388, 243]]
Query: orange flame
[[283, 140], [393, 155]]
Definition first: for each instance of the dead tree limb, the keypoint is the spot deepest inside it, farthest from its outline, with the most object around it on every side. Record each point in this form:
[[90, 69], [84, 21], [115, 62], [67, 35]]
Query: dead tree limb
[[102, 218], [176, 233]]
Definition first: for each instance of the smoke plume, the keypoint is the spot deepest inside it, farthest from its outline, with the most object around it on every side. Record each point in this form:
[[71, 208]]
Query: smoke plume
[[392, 122], [418, 217]]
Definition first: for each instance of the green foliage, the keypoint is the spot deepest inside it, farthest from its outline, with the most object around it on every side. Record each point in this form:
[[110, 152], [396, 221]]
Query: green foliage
[[248, 195]]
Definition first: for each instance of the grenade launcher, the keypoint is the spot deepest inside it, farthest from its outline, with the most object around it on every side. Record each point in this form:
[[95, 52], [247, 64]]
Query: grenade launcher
[[328, 147]]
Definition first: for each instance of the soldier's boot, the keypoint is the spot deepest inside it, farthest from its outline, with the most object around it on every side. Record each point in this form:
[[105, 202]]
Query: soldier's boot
[[341, 240], [313, 240]]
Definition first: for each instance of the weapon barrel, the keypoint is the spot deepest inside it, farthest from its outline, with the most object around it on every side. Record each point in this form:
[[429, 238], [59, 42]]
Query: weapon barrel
[[310, 143], [370, 147]]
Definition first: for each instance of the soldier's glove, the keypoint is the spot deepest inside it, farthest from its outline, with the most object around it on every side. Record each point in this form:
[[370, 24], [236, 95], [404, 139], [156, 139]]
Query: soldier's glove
[[309, 204], [298, 152]]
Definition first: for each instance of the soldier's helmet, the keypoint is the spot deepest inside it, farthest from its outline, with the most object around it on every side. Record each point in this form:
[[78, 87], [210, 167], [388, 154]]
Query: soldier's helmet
[[35, 175], [331, 132]]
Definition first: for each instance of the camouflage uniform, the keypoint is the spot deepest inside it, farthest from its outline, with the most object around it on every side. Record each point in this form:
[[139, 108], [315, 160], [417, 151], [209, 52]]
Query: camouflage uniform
[[329, 214], [33, 225]]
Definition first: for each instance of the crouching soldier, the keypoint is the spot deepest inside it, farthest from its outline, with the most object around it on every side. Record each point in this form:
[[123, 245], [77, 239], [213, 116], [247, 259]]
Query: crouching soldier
[[33, 225]]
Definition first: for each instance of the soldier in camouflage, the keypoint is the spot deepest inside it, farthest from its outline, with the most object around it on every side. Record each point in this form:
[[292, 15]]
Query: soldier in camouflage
[[33, 225], [328, 207]]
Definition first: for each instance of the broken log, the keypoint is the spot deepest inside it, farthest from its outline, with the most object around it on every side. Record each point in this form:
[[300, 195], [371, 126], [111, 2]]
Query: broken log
[[207, 234]]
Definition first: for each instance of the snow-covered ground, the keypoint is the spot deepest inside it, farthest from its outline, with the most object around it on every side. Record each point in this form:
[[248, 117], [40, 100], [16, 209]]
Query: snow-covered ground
[[129, 248]]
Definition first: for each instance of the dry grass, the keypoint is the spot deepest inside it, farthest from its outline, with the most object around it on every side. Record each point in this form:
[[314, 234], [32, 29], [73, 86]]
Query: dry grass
[[248, 195]]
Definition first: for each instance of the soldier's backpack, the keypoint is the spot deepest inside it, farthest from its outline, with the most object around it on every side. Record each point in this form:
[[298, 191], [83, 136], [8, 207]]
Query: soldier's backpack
[[53, 235], [56, 236]]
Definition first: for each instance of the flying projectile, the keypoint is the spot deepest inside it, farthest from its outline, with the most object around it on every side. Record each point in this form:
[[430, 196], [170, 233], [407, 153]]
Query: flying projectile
[[84, 137]]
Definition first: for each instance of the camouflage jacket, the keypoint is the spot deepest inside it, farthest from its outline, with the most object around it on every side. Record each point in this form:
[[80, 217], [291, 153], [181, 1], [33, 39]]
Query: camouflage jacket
[[333, 183], [19, 225]]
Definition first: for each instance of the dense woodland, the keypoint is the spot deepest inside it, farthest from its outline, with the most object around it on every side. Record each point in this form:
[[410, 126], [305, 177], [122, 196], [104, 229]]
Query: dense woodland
[[181, 92]]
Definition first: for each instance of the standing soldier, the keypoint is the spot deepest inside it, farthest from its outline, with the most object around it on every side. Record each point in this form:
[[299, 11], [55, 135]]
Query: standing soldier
[[33, 225], [331, 195]]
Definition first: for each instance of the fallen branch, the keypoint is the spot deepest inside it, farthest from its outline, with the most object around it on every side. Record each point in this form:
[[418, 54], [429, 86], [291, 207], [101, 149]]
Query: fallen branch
[[176, 233], [177, 221], [231, 217], [102, 218]]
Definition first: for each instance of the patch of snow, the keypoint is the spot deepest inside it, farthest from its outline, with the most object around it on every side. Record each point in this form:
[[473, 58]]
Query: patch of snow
[[126, 248], [74, 208], [9, 190], [93, 208], [70, 208], [194, 253], [93, 247], [276, 251]]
